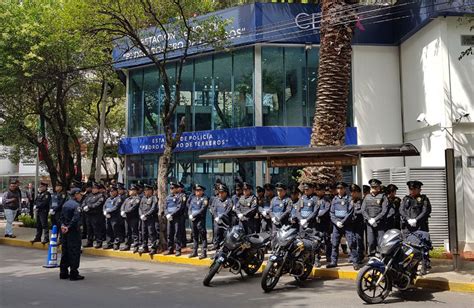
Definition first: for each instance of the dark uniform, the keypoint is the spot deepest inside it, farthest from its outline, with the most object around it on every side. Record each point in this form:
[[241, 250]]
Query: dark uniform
[[71, 242], [308, 210], [374, 210], [280, 209], [234, 220], [247, 211], [88, 186], [323, 224], [341, 217], [358, 226], [42, 204], [129, 211], [393, 214], [148, 210], [114, 221], [175, 206], [197, 210], [93, 206], [220, 211], [57, 202]]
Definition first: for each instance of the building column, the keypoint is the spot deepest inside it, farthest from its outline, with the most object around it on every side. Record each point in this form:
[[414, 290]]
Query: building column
[[258, 105]]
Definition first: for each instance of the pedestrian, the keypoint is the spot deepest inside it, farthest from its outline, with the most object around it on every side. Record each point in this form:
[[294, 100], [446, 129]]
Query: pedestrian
[[71, 234], [221, 207], [93, 207], [393, 214], [197, 210], [374, 209], [115, 227], [341, 217], [280, 208], [148, 211], [11, 204], [358, 224], [42, 205], [175, 205], [58, 198], [129, 211], [247, 209]]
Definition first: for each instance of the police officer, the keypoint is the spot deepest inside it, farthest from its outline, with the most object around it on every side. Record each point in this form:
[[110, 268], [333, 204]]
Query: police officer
[[71, 234], [129, 211], [42, 204], [238, 192], [308, 207], [280, 208], [175, 205], [323, 224], [88, 193], [197, 210], [295, 195], [393, 215], [58, 198], [415, 210], [365, 190], [221, 207], [264, 208], [182, 192], [247, 209], [114, 221], [260, 194], [93, 207], [122, 191], [374, 209], [148, 210], [341, 217], [358, 224]]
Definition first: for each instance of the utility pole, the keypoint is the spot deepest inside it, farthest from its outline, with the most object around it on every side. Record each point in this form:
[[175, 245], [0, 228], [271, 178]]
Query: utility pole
[[100, 146]]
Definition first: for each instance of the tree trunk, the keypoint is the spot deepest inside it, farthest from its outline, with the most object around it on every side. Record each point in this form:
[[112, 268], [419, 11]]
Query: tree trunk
[[329, 124], [163, 166], [100, 146]]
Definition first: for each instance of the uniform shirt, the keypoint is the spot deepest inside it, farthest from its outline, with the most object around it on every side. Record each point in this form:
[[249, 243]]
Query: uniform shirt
[[43, 201], [308, 207], [130, 206], [394, 208], [418, 208], [265, 206], [71, 215], [220, 207], [148, 206], [357, 217], [57, 201], [324, 204], [247, 206], [280, 208], [175, 204], [375, 207], [95, 202], [341, 209], [112, 206], [197, 206], [235, 201]]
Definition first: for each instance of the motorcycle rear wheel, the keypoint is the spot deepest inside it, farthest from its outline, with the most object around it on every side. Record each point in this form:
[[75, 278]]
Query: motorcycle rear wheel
[[366, 288], [270, 276], [308, 268], [254, 265], [215, 267]]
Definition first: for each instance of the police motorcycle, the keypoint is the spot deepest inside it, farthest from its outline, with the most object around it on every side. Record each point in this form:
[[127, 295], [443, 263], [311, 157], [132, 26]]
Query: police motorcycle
[[239, 252], [294, 253], [396, 265]]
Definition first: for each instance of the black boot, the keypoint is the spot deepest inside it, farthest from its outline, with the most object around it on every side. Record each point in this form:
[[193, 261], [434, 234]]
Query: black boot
[[98, 245], [108, 246], [76, 277], [203, 255], [152, 251], [35, 240], [125, 248], [116, 246], [135, 249], [89, 244], [194, 254]]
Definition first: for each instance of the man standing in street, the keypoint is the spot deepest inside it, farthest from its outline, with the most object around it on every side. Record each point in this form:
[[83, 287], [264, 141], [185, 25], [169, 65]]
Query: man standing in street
[[129, 211], [148, 214], [221, 207], [393, 214], [247, 209], [42, 204], [174, 211], [11, 202], [57, 200], [197, 209], [71, 233], [115, 224]]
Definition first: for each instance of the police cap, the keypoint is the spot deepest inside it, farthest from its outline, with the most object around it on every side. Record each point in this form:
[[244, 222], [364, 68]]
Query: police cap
[[355, 187], [414, 184], [222, 187], [391, 188], [148, 187], [374, 182], [199, 187], [121, 186], [174, 185], [341, 185], [366, 189], [308, 185], [74, 191], [259, 189], [43, 184], [269, 186], [113, 187], [247, 186], [238, 185], [133, 187]]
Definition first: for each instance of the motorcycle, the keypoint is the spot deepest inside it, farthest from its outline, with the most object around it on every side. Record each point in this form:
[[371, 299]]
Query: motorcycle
[[396, 265], [294, 253], [239, 252]]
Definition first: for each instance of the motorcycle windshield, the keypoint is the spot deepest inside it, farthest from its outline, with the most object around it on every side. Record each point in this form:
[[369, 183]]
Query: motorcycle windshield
[[390, 240]]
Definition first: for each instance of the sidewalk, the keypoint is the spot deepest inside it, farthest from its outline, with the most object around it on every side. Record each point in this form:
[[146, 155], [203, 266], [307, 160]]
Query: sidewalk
[[441, 277]]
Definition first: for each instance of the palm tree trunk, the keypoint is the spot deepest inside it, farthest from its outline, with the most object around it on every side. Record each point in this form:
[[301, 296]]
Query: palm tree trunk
[[333, 85]]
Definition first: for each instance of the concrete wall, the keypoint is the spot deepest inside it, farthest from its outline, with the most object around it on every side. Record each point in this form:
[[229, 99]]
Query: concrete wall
[[377, 104]]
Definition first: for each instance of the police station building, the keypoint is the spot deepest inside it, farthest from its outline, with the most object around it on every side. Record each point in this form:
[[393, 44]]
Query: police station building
[[261, 91]]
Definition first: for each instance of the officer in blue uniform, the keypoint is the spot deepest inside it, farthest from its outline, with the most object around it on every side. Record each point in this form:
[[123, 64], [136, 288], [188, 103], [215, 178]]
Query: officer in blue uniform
[[42, 204], [280, 208], [341, 217], [308, 207], [92, 207], [238, 192], [129, 211], [295, 195], [358, 223], [115, 227], [175, 205], [221, 207], [374, 209], [71, 233], [323, 222], [182, 192], [247, 209], [148, 211], [393, 215], [264, 208], [197, 210], [58, 198]]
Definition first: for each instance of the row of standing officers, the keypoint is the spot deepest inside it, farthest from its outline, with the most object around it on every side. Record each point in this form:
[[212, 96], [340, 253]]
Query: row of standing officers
[[130, 217]]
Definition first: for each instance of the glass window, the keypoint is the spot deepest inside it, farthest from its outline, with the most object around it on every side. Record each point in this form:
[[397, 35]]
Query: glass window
[[243, 88], [203, 101], [151, 85], [295, 86], [134, 168], [222, 91], [273, 85], [150, 169], [135, 120], [184, 108], [312, 84]]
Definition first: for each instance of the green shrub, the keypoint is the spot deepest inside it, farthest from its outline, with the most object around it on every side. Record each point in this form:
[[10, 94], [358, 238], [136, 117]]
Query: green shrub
[[27, 221], [438, 253]]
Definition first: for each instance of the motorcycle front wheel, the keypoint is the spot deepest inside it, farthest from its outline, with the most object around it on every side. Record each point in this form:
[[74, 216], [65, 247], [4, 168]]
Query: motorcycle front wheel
[[215, 267], [368, 289], [270, 276], [251, 267], [308, 268]]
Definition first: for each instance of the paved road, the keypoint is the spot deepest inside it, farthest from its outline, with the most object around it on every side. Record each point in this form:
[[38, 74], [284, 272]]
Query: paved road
[[123, 283]]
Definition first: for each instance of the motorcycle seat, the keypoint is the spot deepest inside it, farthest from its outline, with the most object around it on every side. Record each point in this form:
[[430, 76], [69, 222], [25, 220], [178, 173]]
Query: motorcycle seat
[[258, 238]]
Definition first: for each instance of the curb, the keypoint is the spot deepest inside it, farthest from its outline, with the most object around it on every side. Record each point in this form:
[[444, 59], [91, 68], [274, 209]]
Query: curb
[[428, 283]]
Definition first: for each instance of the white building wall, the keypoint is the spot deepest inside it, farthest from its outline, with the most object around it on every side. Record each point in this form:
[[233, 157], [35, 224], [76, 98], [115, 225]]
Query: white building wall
[[376, 101], [6, 166]]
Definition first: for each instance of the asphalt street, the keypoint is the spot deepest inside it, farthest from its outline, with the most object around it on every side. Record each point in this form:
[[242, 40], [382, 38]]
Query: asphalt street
[[123, 283]]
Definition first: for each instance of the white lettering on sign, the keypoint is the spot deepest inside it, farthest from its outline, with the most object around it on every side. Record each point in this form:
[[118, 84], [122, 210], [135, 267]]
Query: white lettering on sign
[[306, 21]]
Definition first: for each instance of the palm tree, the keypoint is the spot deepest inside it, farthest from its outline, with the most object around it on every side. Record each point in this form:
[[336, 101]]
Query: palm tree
[[337, 26]]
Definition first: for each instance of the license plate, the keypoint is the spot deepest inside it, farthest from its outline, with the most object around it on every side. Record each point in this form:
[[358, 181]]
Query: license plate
[[273, 258], [220, 259]]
